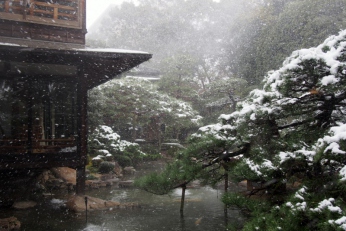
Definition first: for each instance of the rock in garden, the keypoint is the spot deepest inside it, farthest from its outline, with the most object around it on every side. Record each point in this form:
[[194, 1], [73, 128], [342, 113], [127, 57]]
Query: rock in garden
[[24, 204], [77, 204], [65, 173], [9, 224]]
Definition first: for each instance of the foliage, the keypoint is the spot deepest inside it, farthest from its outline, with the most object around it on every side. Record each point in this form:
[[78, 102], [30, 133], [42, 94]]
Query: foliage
[[294, 129], [106, 167], [276, 28], [221, 97], [188, 167], [189, 40], [199, 43], [242, 202], [175, 175], [135, 109], [91, 177], [178, 78], [105, 142], [154, 156]]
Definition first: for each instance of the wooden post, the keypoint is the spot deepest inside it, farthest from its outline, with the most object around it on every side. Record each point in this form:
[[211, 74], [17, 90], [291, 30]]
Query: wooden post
[[30, 105], [80, 180], [226, 190], [182, 198], [82, 16], [55, 14], [7, 6], [226, 182]]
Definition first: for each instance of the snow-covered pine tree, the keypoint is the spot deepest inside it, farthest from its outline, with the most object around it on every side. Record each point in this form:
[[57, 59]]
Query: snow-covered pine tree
[[295, 131], [291, 131]]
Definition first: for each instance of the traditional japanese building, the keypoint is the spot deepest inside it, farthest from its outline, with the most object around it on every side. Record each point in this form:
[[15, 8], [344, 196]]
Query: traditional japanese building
[[45, 73]]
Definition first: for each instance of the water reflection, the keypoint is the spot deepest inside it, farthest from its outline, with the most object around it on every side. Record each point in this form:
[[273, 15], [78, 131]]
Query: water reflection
[[203, 210]]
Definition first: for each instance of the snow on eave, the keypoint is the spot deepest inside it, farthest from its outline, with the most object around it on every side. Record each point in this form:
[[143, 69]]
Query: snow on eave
[[111, 50], [10, 44], [142, 77]]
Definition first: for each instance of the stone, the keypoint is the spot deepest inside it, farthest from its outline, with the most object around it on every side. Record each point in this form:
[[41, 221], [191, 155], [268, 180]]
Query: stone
[[45, 176], [66, 174], [117, 169], [129, 170], [112, 181], [93, 183], [251, 185], [103, 184], [126, 183], [70, 186], [10, 224], [24, 204], [243, 184], [105, 177], [76, 203]]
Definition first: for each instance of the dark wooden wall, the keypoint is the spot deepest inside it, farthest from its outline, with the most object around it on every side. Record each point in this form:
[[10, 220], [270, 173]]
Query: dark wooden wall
[[31, 31]]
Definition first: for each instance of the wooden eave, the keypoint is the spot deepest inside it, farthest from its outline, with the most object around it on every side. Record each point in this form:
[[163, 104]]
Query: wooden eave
[[93, 66]]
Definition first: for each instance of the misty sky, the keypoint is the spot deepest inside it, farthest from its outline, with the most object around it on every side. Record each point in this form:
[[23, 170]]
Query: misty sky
[[96, 7]]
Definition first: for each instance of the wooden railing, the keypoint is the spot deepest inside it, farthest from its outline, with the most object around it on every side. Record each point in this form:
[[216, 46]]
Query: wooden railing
[[56, 12], [15, 146]]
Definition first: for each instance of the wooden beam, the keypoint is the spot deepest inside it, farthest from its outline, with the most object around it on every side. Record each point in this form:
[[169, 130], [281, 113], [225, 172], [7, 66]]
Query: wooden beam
[[20, 161]]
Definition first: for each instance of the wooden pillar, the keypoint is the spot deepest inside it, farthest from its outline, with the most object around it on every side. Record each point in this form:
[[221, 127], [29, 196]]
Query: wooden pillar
[[82, 16], [7, 6], [55, 13], [82, 102], [30, 105], [80, 180]]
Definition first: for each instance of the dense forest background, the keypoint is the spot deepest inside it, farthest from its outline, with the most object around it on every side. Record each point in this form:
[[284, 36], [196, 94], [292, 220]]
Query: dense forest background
[[211, 54]]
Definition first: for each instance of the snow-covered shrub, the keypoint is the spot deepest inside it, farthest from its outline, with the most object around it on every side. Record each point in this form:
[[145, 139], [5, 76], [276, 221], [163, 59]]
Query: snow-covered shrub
[[106, 167], [107, 145]]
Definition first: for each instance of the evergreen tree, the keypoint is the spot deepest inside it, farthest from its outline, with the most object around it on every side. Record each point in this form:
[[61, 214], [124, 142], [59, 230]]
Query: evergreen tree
[[291, 131], [133, 106], [269, 33]]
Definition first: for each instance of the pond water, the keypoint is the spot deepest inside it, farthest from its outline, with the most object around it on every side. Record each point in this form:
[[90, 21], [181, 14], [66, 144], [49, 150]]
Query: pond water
[[203, 211]]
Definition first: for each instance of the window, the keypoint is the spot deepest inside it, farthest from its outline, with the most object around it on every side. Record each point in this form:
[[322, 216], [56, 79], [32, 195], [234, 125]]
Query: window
[[39, 115]]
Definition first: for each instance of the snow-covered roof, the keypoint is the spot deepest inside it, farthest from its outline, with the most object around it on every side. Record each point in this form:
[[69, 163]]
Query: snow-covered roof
[[9, 44], [111, 50], [98, 65], [143, 77]]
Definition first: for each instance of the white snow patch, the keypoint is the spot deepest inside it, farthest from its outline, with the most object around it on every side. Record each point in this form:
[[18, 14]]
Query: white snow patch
[[112, 50], [342, 173], [327, 204], [330, 79], [10, 44]]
